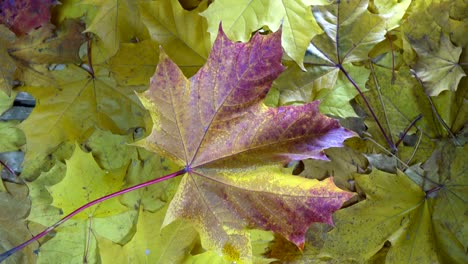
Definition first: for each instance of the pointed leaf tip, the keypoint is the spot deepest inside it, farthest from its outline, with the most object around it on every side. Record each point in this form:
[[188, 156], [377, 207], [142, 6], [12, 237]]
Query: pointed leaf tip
[[216, 124]]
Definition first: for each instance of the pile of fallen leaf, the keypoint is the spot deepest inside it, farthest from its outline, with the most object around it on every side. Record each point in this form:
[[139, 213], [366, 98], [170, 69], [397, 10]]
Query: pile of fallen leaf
[[128, 91]]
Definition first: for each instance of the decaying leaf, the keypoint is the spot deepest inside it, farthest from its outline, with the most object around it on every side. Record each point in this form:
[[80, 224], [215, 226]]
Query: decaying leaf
[[215, 126], [46, 46], [23, 16], [15, 206]]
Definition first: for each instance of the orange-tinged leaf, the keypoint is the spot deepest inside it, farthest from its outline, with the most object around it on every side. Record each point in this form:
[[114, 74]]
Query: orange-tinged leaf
[[216, 126]]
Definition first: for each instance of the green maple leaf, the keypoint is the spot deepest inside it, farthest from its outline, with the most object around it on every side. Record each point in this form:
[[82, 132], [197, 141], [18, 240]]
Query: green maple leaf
[[324, 83], [150, 244], [75, 241], [422, 219], [388, 213], [116, 21], [182, 33], [350, 32], [215, 127], [437, 65], [78, 104], [442, 178], [390, 104], [241, 18]]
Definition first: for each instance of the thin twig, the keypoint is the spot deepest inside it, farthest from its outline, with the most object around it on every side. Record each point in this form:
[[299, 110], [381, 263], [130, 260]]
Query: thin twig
[[90, 55], [88, 240], [415, 147], [8, 253], [10, 170], [434, 109], [88, 67], [377, 85], [386, 151], [393, 58], [400, 138], [389, 142]]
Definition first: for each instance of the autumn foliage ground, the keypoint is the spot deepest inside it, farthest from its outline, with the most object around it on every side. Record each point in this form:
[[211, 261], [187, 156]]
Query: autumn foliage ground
[[295, 131]]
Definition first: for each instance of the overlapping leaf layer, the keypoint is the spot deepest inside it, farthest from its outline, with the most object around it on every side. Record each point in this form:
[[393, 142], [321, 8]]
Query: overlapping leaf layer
[[260, 164]]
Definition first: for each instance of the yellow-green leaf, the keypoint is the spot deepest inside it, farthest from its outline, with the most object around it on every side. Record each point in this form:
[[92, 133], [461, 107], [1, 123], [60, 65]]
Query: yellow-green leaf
[[7, 64], [116, 21], [150, 244], [437, 65], [11, 138], [74, 105], [134, 63], [395, 210], [83, 182], [182, 33], [241, 18]]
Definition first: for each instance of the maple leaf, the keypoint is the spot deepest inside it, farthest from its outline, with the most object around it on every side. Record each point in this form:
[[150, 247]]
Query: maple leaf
[[324, 83], [46, 46], [392, 12], [80, 104], [350, 31], [241, 18], [116, 21], [344, 162], [130, 68], [7, 64], [150, 244], [437, 65], [216, 127], [23, 16], [428, 115], [53, 198], [182, 33], [15, 206], [12, 138], [442, 177], [420, 212]]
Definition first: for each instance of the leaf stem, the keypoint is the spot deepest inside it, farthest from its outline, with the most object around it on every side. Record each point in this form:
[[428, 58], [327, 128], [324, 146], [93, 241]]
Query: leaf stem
[[10, 170], [434, 109], [393, 58], [8, 253], [379, 92], [389, 141], [90, 57], [88, 67], [400, 138]]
